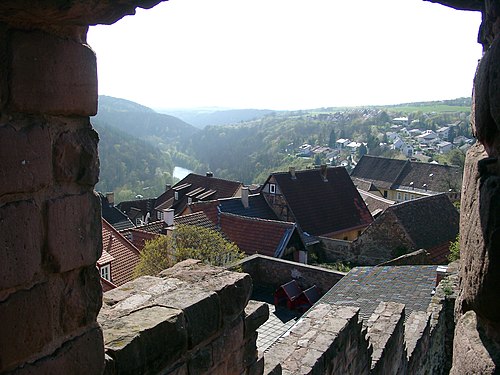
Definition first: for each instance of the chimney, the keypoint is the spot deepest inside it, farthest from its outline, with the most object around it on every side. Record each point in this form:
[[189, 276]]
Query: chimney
[[209, 174], [167, 187], [110, 197], [441, 273], [292, 172], [244, 196], [168, 216], [323, 172]]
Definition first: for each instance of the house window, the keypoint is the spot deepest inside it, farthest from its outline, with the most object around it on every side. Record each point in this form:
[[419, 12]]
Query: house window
[[138, 221], [158, 215], [385, 193], [412, 197], [190, 200], [272, 188], [406, 196], [176, 195], [106, 272], [399, 196]]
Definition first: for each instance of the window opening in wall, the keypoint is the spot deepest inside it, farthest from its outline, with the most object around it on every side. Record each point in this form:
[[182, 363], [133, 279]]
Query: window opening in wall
[[106, 272], [272, 188]]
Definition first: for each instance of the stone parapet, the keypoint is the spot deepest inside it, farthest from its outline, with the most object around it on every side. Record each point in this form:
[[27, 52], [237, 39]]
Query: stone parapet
[[193, 319]]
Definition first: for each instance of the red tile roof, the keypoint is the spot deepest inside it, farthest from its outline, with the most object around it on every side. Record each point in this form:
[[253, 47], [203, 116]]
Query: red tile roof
[[323, 206], [208, 207], [139, 237], [125, 254], [254, 236]]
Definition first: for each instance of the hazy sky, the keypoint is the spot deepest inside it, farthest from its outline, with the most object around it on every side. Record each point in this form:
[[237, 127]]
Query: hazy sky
[[288, 54]]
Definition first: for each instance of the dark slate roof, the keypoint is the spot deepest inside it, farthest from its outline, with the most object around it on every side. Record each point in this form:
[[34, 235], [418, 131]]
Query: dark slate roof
[[375, 202], [366, 287], [383, 172], [430, 222], [144, 205], [257, 236], [197, 187], [323, 207], [114, 216], [388, 173], [257, 207]]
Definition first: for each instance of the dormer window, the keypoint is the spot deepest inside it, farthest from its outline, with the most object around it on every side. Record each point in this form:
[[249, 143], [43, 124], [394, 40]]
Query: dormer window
[[272, 188], [106, 272], [176, 195], [190, 200], [158, 215]]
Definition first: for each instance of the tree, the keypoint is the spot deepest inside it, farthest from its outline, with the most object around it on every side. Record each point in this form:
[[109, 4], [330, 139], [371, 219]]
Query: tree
[[186, 242], [454, 250]]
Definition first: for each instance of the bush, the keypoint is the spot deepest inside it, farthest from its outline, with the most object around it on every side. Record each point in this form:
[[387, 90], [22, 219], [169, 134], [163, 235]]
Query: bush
[[186, 242]]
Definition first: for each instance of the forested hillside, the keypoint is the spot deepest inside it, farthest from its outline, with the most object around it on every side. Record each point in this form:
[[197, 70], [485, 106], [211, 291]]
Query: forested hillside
[[130, 166], [142, 122], [248, 151]]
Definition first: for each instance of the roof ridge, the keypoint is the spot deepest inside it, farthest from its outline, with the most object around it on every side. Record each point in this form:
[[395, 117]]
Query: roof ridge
[[284, 223]]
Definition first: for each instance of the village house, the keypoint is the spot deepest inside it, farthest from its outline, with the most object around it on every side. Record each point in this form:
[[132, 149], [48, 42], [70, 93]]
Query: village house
[[321, 201], [118, 260], [402, 180], [429, 223], [194, 188]]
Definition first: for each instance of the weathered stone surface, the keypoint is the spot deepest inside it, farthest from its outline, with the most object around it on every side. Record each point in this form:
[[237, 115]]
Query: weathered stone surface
[[146, 340], [480, 236], [417, 328], [74, 231], [234, 289], [21, 239], [474, 352], [256, 314], [75, 157], [386, 334], [26, 159], [41, 317], [328, 340], [4, 58], [52, 75], [80, 356]]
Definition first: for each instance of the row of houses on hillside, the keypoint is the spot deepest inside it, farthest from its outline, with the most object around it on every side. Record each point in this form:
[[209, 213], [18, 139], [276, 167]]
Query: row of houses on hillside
[[292, 214]]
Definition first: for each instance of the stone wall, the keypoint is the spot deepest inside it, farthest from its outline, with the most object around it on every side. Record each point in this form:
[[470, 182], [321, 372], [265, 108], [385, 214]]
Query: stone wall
[[194, 319], [50, 239], [50, 227], [477, 337], [380, 242], [275, 272], [331, 339]]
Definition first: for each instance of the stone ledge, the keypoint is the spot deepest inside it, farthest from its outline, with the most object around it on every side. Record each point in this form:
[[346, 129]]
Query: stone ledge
[[193, 318]]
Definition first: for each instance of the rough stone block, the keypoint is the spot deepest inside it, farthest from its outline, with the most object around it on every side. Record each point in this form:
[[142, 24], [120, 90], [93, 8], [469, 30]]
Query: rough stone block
[[4, 58], [21, 239], [256, 368], [480, 236], [233, 288], [75, 157], [201, 362], [52, 75], [39, 317], [473, 351], [26, 159], [74, 231], [197, 305], [386, 334], [230, 339], [79, 356], [256, 314], [146, 340]]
